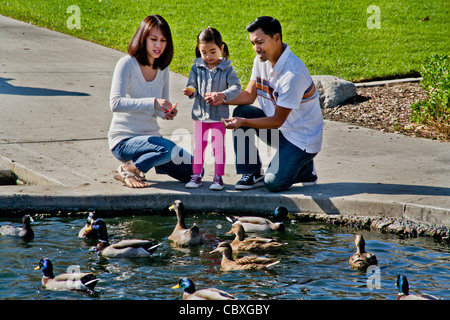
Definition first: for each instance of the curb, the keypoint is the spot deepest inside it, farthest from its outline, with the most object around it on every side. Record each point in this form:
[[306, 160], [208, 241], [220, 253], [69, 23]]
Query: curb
[[385, 82]]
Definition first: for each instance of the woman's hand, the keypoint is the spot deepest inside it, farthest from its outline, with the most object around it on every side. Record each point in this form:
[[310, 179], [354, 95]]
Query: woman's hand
[[215, 98], [162, 105]]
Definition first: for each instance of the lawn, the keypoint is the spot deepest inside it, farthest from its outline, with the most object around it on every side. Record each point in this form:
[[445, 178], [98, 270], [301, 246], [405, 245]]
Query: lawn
[[331, 37]]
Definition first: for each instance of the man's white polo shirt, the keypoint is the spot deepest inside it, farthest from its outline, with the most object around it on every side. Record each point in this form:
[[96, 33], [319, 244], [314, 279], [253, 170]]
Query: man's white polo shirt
[[289, 85]]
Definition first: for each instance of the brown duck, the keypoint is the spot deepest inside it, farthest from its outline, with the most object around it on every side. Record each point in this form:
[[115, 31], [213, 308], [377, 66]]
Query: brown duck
[[245, 263], [361, 259], [251, 244]]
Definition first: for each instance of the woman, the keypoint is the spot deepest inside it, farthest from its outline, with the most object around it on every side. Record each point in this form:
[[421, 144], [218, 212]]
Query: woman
[[140, 93]]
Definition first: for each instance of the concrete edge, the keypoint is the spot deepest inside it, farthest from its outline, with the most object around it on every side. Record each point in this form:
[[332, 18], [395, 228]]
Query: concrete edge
[[25, 174], [384, 82]]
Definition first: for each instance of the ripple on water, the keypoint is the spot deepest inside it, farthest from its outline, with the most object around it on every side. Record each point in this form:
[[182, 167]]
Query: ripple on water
[[314, 264]]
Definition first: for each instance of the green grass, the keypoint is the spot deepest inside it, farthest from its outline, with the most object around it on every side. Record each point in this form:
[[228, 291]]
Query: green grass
[[331, 37]]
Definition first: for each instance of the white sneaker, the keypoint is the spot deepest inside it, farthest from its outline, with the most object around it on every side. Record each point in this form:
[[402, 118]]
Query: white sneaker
[[195, 182]]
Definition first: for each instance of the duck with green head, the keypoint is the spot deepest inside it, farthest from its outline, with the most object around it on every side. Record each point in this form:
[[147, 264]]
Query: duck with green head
[[65, 281], [260, 224], [403, 291], [25, 232], [190, 292], [90, 234], [133, 248]]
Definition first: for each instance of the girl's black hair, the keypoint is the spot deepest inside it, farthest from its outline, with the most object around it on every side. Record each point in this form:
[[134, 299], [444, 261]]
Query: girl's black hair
[[211, 35]]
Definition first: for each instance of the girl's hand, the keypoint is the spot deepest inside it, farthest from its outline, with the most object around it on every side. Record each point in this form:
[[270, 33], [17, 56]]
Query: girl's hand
[[162, 105], [188, 91], [215, 98]]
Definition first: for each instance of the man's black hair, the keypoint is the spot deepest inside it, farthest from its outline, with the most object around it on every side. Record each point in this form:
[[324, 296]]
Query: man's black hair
[[268, 25]]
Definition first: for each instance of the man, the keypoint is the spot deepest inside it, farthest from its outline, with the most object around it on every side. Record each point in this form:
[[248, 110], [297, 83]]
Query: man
[[290, 109]]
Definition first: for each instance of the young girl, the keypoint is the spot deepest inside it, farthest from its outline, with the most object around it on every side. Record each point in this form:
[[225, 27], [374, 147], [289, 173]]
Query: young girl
[[212, 81]]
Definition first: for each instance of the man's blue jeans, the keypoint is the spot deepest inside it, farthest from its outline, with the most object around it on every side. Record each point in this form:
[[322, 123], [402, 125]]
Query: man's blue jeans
[[289, 165], [148, 152]]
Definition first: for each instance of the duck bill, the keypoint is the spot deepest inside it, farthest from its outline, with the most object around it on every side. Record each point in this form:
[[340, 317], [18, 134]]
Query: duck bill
[[176, 287], [37, 268], [171, 207], [290, 216]]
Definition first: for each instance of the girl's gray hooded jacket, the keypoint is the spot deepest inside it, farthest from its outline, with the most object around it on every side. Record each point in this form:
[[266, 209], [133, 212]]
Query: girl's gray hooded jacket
[[221, 78]]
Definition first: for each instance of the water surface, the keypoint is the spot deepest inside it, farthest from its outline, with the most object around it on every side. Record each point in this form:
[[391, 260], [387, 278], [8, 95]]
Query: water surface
[[314, 264]]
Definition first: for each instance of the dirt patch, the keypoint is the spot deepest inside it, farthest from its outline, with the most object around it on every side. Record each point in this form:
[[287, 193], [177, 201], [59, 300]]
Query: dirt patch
[[386, 108]]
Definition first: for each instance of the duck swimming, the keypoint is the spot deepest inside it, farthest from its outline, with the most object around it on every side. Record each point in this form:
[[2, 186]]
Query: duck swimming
[[361, 259], [190, 293], [90, 234], [260, 224], [245, 263], [251, 244], [65, 281], [403, 291], [134, 248], [25, 232], [181, 235]]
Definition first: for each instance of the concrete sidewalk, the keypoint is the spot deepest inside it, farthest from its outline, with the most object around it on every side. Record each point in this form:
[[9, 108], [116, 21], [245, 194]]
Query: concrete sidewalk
[[54, 104]]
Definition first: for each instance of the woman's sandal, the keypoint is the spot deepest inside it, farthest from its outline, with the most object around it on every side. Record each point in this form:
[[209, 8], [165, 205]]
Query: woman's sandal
[[124, 175]]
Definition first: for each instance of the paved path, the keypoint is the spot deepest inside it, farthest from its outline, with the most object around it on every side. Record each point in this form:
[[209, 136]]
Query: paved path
[[54, 119]]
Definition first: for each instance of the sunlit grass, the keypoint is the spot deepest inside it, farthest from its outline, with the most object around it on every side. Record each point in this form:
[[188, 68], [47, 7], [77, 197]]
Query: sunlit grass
[[331, 37]]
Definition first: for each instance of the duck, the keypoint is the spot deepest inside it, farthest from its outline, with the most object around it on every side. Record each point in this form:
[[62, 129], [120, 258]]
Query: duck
[[245, 263], [361, 259], [90, 234], [190, 292], [403, 291], [260, 224], [133, 248], [181, 235], [25, 232], [253, 244], [65, 281]]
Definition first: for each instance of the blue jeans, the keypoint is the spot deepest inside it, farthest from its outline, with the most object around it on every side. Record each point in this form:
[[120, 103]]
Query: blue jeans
[[148, 152], [289, 165]]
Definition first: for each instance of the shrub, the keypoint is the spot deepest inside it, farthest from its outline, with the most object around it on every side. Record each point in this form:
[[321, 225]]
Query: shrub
[[435, 111]]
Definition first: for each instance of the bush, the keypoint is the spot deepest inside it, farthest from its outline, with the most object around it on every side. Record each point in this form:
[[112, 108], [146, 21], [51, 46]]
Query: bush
[[435, 111]]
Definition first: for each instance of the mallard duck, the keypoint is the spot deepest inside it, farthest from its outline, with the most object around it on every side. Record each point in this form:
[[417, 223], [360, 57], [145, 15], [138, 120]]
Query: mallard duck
[[132, 248], [86, 232], [361, 259], [203, 294], [252, 244], [245, 263], [25, 232], [182, 236], [403, 291], [260, 224], [65, 281]]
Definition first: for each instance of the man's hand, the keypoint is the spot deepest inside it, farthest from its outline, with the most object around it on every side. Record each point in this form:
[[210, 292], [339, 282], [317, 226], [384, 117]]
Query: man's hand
[[233, 123]]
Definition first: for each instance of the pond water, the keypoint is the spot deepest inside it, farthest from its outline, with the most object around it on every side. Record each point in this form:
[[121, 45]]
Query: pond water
[[314, 264]]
